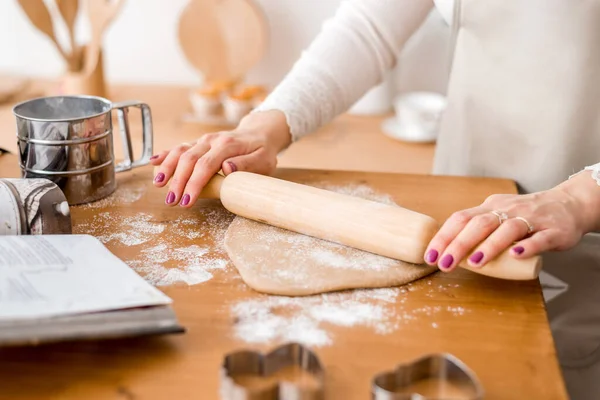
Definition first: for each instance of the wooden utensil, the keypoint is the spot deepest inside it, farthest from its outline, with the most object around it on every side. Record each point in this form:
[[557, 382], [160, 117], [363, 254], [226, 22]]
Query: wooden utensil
[[222, 39], [38, 14], [390, 231], [101, 13], [68, 10]]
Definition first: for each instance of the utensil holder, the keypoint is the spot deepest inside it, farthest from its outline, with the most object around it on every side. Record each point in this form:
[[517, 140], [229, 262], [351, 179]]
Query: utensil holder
[[82, 83]]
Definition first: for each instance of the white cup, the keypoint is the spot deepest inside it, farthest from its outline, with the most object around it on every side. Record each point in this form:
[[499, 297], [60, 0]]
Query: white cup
[[418, 114]]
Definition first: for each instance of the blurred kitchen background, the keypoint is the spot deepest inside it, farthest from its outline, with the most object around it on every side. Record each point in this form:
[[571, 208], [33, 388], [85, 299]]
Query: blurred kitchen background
[[143, 59], [141, 45]]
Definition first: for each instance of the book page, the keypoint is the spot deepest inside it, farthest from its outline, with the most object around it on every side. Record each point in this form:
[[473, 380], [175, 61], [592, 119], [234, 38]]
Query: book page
[[57, 275]]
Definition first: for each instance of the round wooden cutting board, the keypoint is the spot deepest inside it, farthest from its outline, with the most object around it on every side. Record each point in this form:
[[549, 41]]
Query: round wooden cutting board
[[223, 39]]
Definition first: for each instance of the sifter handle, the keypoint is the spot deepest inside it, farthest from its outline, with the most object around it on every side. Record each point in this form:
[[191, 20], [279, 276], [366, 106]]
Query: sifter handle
[[147, 144]]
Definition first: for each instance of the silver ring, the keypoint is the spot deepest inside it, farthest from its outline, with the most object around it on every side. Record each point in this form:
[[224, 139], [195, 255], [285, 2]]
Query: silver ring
[[529, 226], [502, 216]]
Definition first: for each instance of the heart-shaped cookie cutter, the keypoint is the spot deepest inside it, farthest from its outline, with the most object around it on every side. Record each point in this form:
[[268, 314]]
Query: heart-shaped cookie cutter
[[447, 370], [249, 362]]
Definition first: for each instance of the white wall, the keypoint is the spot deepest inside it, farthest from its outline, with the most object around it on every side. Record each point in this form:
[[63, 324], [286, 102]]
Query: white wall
[[141, 46]]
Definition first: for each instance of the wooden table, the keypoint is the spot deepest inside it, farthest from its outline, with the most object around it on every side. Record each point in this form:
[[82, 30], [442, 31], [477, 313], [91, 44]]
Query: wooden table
[[503, 334]]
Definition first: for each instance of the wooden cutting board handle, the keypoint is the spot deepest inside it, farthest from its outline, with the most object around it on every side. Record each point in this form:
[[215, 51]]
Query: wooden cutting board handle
[[390, 231]]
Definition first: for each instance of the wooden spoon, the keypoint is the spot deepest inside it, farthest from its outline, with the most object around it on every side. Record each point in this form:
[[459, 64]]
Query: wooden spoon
[[38, 14], [68, 10], [101, 13]]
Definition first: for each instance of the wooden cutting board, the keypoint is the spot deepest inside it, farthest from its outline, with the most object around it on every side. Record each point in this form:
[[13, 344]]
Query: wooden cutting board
[[223, 39]]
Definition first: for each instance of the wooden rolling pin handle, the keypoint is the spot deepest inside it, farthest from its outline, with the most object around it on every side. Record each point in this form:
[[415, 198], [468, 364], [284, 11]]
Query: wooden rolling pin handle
[[505, 266], [212, 190]]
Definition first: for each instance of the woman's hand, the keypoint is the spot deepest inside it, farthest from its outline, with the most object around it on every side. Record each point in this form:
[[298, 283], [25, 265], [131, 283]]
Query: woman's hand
[[253, 146], [551, 220]]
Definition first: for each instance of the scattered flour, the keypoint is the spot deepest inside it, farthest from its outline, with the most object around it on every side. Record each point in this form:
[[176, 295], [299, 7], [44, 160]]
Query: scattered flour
[[163, 276], [193, 264], [306, 319], [167, 261], [137, 229], [169, 253], [126, 193]]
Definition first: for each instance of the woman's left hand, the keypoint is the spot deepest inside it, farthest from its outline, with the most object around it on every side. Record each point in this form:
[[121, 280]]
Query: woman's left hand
[[531, 224]]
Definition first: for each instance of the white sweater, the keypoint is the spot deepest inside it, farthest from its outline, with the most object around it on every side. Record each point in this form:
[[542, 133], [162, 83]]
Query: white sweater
[[350, 55]]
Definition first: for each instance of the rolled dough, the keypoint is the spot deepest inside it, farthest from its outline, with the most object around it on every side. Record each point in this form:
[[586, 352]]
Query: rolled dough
[[277, 261]]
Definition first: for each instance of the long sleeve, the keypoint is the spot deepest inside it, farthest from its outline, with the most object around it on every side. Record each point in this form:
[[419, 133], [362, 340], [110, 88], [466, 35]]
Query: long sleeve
[[595, 172], [349, 56]]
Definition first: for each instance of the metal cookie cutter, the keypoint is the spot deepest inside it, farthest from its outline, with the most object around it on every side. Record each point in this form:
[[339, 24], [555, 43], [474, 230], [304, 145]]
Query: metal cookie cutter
[[435, 376], [256, 364]]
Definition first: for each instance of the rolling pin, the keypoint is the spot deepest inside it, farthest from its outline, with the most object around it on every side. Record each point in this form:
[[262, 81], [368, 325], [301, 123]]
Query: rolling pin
[[378, 228]]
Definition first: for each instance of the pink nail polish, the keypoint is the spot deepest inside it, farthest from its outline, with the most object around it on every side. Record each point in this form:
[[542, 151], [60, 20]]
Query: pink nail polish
[[185, 200], [518, 250], [232, 166], [153, 157], [170, 198], [432, 256], [477, 257], [447, 261], [159, 177]]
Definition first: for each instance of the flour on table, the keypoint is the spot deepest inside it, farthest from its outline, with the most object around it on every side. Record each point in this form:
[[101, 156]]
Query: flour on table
[[193, 265], [126, 193], [167, 252], [266, 319], [308, 319], [136, 230]]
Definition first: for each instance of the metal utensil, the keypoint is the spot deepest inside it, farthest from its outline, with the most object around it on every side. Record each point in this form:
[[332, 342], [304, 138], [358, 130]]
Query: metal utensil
[[69, 140], [427, 378], [248, 362]]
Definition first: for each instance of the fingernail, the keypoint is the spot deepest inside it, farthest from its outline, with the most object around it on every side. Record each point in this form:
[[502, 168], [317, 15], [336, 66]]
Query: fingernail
[[476, 258], [153, 157], [170, 197], [232, 166], [447, 261], [185, 200], [431, 256], [518, 249], [159, 177]]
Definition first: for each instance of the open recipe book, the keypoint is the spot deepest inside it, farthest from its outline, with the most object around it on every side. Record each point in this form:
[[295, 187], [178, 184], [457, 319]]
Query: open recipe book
[[71, 287]]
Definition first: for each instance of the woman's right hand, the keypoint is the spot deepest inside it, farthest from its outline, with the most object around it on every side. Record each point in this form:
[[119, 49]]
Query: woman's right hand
[[252, 146]]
